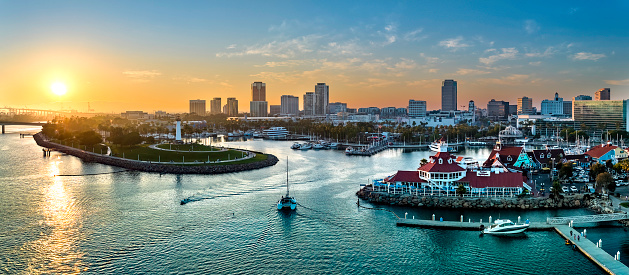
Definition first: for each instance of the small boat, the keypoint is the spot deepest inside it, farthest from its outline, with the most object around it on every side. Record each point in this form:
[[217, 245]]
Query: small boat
[[334, 145], [504, 227], [318, 146], [306, 146], [295, 145], [287, 202], [476, 143], [349, 150]]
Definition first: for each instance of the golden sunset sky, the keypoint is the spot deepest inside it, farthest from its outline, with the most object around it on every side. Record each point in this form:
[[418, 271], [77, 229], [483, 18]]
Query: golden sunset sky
[[147, 55]]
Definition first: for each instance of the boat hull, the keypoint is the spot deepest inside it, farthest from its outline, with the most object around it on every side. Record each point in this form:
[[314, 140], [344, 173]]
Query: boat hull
[[507, 231]]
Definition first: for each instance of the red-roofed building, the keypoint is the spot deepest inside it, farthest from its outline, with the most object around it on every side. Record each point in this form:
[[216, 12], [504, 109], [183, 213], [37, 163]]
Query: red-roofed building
[[604, 152], [506, 155]]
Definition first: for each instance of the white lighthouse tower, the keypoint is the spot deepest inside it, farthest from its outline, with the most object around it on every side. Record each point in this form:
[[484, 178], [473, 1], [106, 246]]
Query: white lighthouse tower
[[178, 133]]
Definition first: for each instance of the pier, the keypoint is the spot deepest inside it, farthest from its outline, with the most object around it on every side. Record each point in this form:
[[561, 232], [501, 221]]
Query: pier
[[465, 225]]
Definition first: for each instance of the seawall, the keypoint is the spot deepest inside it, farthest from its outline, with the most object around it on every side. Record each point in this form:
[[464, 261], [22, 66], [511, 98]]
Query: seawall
[[153, 167]]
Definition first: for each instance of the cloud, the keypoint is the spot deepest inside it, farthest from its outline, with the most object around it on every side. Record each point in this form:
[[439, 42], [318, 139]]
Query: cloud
[[405, 64], [510, 80], [531, 27], [623, 82], [425, 83], [414, 35], [344, 48], [142, 76], [548, 52], [190, 79], [453, 43], [536, 63], [287, 63], [432, 71], [507, 53], [282, 49], [587, 56], [471, 72]]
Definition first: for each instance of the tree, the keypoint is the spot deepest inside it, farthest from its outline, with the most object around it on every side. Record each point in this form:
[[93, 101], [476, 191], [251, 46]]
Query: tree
[[596, 169], [461, 190], [89, 138], [556, 189], [423, 161], [603, 180], [565, 170]]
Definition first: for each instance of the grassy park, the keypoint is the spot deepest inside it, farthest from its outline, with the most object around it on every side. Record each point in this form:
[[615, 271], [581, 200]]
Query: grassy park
[[144, 153], [188, 147]]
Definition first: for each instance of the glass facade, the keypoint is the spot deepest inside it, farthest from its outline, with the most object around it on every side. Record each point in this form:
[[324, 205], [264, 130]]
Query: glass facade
[[595, 114]]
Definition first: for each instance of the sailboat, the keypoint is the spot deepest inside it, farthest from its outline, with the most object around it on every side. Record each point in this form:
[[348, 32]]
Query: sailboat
[[287, 202]]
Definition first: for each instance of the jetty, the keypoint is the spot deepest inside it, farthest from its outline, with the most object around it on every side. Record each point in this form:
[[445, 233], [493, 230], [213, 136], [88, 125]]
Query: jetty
[[465, 225]]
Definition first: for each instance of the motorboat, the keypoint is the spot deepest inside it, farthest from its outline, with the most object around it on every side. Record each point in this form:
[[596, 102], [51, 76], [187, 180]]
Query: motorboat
[[318, 146], [505, 227], [476, 143], [334, 145], [306, 146], [295, 145], [349, 150], [287, 202]]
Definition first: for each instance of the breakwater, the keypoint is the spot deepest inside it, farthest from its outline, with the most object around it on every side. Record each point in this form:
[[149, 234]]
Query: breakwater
[[153, 167], [575, 201]]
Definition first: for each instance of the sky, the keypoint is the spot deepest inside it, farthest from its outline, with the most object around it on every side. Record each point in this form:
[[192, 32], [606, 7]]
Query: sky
[[158, 55]]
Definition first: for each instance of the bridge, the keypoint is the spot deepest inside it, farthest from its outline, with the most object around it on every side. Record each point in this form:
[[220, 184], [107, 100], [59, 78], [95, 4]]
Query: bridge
[[587, 218], [3, 123]]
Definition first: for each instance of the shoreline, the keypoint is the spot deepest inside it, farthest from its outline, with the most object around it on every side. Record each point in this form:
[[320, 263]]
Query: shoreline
[[153, 167]]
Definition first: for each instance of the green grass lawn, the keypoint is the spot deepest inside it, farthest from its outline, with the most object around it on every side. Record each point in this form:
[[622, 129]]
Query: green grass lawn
[[98, 148], [624, 204], [187, 147], [144, 153]]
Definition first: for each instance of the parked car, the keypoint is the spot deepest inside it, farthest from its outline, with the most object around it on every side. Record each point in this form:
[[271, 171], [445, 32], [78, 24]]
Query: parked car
[[573, 189], [564, 189]]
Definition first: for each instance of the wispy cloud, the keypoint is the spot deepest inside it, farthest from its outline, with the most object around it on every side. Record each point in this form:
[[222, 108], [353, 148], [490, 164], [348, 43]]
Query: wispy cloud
[[190, 79], [471, 72], [507, 53], [510, 80], [531, 27], [142, 76], [536, 63], [587, 56], [623, 82], [548, 52], [453, 43], [415, 35], [282, 49], [287, 63]]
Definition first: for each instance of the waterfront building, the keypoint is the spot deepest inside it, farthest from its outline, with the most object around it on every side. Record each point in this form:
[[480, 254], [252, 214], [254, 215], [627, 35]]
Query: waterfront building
[[310, 99], [232, 106], [337, 107], [602, 94], [443, 173], [416, 108], [197, 107], [601, 115], [275, 110], [258, 108], [548, 158], [289, 105], [322, 101], [525, 106], [449, 95], [553, 107], [604, 152], [507, 156], [215, 105], [497, 109]]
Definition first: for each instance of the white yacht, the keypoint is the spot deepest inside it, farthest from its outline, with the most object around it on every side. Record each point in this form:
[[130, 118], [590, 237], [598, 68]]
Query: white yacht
[[318, 146], [334, 145], [306, 146], [275, 133], [295, 145], [349, 150], [476, 143], [504, 227]]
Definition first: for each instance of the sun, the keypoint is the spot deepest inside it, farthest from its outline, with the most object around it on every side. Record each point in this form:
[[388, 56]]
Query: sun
[[58, 88]]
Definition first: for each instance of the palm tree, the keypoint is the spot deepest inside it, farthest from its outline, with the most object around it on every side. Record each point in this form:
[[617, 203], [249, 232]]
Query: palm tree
[[461, 190]]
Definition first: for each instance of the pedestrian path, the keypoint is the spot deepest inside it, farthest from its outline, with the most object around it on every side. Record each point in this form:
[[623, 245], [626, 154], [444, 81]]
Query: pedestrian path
[[616, 203]]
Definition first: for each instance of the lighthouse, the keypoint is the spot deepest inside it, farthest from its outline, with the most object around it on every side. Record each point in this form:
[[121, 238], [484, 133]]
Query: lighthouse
[[178, 133]]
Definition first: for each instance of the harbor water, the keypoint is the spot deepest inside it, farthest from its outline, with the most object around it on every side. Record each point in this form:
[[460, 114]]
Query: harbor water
[[62, 215]]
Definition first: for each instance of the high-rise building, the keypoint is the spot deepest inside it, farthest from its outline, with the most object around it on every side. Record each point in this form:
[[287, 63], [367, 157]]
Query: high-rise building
[[275, 110], [290, 105], [416, 108], [602, 94], [258, 108], [258, 91], [310, 99], [322, 92], [497, 109], [567, 108], [471, 107], [388, 112], [448, 95], [554, 107], [601, 115], [525, 106], [232, 106], [197, 107], [582, 97], [215, 105], [337, 107]]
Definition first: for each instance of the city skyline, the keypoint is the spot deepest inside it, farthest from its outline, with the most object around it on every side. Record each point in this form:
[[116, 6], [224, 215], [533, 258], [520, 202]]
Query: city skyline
[[139, 55]]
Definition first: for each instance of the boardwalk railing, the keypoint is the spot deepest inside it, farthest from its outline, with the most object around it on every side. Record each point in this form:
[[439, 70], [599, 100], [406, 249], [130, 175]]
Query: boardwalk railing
[[588, 218]]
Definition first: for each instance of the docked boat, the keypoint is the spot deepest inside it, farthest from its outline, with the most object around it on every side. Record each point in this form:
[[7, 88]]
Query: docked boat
[[505, 227], [318, 146], [275, 133], [306, 146], [436, 146], [287, 202], [349, 150], [476, 143], [334, 145], [295, 145]]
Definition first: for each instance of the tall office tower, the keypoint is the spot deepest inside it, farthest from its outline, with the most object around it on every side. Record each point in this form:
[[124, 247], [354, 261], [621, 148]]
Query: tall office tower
[[448, 95], [471, 107], [322, 93], [567, 108], [258, 108], [582, 97], [197, 107], [553, 107], [290, 105], [602, 94], [275, 110], [258, 91], [337, 107], [525, 106], [611, 114], [310, 100], [232, 106], [416, 108], [498, 109], [215, 105]]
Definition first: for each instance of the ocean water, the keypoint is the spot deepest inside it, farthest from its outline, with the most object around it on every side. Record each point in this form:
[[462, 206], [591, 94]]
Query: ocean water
[[132, 222]]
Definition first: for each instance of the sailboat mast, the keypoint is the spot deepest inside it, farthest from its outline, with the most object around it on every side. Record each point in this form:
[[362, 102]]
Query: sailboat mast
[[287, 176]]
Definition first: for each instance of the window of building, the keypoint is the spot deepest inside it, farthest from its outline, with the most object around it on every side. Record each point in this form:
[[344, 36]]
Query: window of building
[[541, 156]]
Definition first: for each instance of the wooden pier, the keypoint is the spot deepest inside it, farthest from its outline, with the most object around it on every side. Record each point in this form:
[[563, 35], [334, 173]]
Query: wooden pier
[[465, 225]]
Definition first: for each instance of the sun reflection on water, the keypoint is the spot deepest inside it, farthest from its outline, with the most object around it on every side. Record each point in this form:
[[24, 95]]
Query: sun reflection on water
[[57, 250]]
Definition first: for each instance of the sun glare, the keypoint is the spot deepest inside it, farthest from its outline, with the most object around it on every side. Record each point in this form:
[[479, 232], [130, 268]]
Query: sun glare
[[58, 88]]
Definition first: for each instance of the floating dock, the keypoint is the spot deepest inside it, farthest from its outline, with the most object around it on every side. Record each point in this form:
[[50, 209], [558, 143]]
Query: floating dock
[[593, 252], [465, 225]]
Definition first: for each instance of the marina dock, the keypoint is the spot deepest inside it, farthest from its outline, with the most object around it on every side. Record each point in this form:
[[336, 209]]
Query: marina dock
[[465, 225], [593, 252]]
